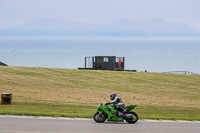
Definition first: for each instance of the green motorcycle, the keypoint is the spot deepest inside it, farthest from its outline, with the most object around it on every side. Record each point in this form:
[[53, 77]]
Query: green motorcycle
[[109, 113]]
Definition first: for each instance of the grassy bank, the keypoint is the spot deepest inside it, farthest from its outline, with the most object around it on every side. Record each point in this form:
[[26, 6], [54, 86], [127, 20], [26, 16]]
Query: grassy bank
[[76, 93]]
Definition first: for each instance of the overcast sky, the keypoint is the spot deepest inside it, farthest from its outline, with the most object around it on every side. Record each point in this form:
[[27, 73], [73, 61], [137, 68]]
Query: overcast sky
[[14, 12]]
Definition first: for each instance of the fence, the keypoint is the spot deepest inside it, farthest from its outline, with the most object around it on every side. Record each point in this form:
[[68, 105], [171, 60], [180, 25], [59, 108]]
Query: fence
[[182, 72]]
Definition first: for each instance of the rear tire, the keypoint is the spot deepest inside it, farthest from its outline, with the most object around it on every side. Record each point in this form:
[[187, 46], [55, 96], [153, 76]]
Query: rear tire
[[131, 117], [99, 118]]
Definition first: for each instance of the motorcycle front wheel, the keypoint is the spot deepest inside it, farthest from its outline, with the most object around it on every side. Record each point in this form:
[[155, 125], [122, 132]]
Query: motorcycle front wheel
[[100, 118], [131, 117]]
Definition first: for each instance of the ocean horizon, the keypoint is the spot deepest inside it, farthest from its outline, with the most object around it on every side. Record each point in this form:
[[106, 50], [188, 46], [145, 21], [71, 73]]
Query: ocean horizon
[[140, 55]]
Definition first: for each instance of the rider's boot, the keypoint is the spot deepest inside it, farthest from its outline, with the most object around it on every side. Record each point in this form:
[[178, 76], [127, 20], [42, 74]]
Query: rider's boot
[[124, 110], [121, 114]]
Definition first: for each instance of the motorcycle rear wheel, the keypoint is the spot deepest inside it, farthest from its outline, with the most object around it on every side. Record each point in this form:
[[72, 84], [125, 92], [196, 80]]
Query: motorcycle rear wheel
[[131, 117], [99, 118]]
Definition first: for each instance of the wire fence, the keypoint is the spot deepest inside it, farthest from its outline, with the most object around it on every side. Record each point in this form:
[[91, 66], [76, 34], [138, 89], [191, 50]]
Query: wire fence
[[182, 72]]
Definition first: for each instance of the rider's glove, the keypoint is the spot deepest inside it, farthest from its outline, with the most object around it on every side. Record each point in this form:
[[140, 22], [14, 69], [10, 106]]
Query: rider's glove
[[107, 104]]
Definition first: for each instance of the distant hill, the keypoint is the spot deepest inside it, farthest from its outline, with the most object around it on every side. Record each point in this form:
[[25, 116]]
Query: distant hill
[[157, 28]]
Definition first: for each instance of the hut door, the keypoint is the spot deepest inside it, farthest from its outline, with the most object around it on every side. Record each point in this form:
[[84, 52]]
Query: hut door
[[99, 63]]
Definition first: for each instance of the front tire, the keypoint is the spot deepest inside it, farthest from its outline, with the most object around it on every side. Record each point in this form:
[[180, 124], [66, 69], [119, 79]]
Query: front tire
[[99, 118], [131, 117]]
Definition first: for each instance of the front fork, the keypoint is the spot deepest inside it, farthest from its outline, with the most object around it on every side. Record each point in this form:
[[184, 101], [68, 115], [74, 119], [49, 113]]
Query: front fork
[[102, 114]]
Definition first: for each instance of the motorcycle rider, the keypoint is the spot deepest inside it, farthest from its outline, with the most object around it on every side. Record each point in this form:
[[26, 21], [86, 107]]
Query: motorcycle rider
[[119, 105]]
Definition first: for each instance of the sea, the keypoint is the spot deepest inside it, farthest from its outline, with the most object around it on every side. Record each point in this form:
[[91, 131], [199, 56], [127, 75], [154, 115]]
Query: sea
[[140, 55]]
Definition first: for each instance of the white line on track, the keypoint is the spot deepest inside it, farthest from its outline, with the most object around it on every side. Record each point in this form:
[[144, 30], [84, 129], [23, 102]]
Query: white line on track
[[69, 118]]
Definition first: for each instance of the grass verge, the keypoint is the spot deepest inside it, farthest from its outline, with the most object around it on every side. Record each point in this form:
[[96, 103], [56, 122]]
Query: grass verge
[[76, 93]]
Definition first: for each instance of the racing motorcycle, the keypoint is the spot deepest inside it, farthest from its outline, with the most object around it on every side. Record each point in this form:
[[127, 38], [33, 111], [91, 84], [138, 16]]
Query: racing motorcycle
[[109, 113]]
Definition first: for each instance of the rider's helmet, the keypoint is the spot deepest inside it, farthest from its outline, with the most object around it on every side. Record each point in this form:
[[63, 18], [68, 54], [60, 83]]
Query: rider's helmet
[[113, 95]]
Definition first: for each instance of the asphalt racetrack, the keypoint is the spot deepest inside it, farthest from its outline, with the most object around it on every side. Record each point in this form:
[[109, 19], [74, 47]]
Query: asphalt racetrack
[[18, 124]]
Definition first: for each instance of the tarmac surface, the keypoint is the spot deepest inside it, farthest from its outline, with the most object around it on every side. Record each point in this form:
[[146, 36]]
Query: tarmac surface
[[32, 124]]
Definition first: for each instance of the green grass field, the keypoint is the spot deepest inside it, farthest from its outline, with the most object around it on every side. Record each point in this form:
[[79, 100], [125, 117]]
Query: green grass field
[[76, 93]]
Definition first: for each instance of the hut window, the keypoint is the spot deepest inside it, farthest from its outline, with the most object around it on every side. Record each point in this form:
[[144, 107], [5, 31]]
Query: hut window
[[105, 59]]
